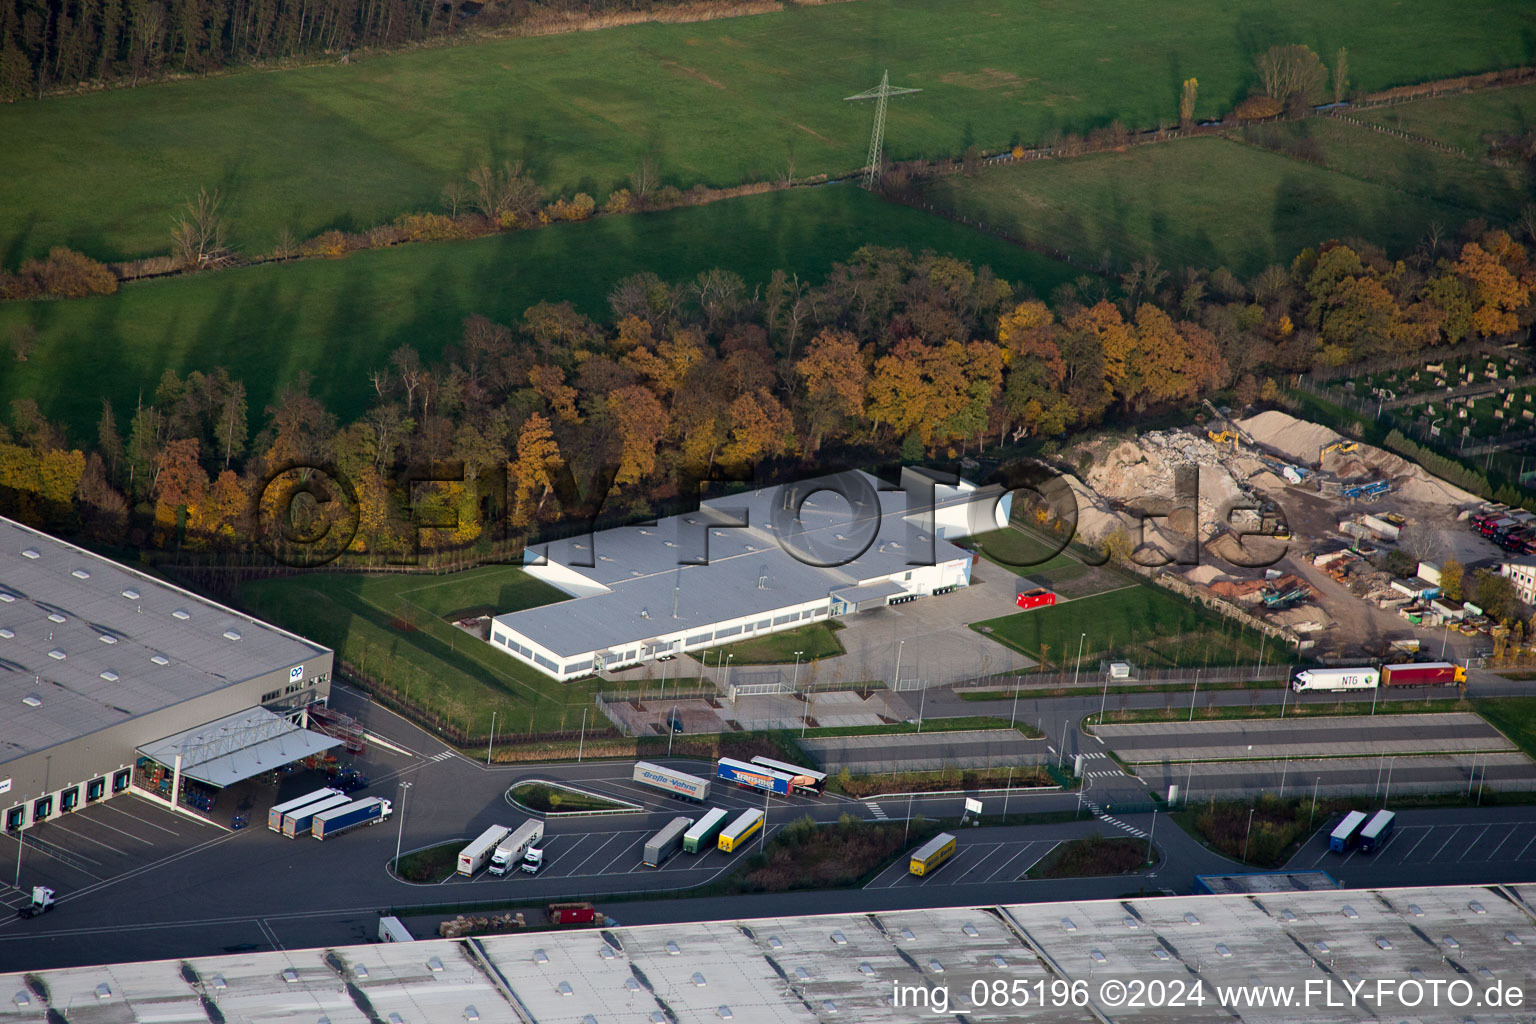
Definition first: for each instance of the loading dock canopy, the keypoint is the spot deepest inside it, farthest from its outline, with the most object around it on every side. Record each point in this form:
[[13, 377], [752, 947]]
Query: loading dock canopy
[[237, 747], [870, 595]]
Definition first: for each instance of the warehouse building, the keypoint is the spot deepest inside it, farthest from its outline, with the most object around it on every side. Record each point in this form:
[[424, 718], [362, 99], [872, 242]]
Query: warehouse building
[[1062, 962], [111, 681], [746, 565]]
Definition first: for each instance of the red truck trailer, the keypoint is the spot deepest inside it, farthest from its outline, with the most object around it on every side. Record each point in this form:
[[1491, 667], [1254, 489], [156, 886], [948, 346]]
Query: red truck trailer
[[1037, 598], [572, 913], [1426, 673]]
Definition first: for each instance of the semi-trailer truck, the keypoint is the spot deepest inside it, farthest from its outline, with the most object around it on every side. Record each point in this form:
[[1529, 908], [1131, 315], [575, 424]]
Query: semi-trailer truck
[[665, 843], [299, 822], [511, 849], [473, 857], [754, 776], [1347, 832], [678, 784], [1374, 835], [368, 811], [1424, 673], [1334, 680], [275, 815], [702, 835]]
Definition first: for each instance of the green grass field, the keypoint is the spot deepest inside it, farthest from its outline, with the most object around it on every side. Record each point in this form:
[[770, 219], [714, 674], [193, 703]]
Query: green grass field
[[1138, 623], [1202, 202], [338, 319], [1465, 187], [395, 628], [1020, 552], [720, 102], [814, 642], [1462, 121]]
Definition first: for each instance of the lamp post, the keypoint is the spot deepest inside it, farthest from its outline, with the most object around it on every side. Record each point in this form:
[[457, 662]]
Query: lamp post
[[492, 740], [1062, 763], [1077, 671], [897, 684], [1193, 694], [1006, 793], [1284, 692], [671, 730], [1151, 832], [1313, 815], [920, 702], [795, 685], [400, 832], [1391, 764], [806, 720], [1103, 704], [581, 745], [1249, 834], [663, 694], [766, 792], [1015, 712]]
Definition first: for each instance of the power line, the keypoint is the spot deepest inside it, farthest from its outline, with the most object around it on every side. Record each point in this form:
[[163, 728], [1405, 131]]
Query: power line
[[879, 94]]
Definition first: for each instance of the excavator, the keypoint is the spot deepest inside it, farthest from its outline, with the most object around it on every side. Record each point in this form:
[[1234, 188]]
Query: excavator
[[1232, 434], [1342, 447]]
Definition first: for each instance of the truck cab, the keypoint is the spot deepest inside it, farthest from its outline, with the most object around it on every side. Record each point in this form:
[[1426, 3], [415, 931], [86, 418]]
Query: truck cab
[[533, 860], [42, 902], [502, 860]]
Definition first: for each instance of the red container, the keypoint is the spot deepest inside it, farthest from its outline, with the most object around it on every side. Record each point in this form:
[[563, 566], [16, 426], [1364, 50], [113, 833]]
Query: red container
[[1434, 673], [1038, 598], [572, 913]]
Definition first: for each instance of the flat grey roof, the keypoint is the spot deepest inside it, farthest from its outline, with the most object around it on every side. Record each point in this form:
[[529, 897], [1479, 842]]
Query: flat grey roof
[[1268, 881], [843, 967], [237, 746], [750, 571], [97, 643]]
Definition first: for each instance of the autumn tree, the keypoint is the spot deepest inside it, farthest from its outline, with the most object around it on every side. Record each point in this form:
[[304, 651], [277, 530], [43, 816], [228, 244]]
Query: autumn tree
[[181, 484], [835, 379], [643, 422], [759, 427], [549, 383], [1187, 94], [197, 239], [1452, 574], [1291, 74], [537, 460], [1496, 294]]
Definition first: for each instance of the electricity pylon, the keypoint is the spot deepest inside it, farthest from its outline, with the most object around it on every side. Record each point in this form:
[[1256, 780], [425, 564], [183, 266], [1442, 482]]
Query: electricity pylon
[[879, 94]]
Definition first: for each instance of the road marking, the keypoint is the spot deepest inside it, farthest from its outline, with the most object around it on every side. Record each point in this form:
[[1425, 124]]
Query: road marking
[[1446, 843], [1044, 854], [991, 849], [1428, 829], [374, 737], [877, 811], [611, 837], [146, 821], [1470, 846], [267, 931], [445, 755], [1527, 846], [633, 848], [82, 835], [114, 828], [1506, 839]]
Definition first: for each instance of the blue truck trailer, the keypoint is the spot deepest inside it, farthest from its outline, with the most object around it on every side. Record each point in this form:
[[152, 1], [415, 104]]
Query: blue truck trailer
[[754, 776], [369, 811]]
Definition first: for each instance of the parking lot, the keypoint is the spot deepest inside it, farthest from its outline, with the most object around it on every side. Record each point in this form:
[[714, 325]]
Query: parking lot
[[1471, 843], [77, 852]]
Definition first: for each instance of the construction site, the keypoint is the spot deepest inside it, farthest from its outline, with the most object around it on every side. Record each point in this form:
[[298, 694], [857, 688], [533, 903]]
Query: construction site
[[1293, 523]]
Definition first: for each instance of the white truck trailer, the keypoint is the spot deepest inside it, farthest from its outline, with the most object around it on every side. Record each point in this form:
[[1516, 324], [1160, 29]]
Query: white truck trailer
[[1336, 680], [510, 851], [473, 857], [677, 784]]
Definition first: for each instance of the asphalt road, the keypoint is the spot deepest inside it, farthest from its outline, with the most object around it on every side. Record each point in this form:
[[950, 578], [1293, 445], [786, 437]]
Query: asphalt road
[[1302, 737], [201, 892]]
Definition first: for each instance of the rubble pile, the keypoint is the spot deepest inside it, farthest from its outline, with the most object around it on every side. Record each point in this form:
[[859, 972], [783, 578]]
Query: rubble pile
[[1145, 469], [461, 926]]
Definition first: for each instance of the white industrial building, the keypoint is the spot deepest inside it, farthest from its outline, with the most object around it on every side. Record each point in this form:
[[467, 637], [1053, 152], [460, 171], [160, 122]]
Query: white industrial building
[[746, 565], [113, 681], [1523, 576], [1065, 962]]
